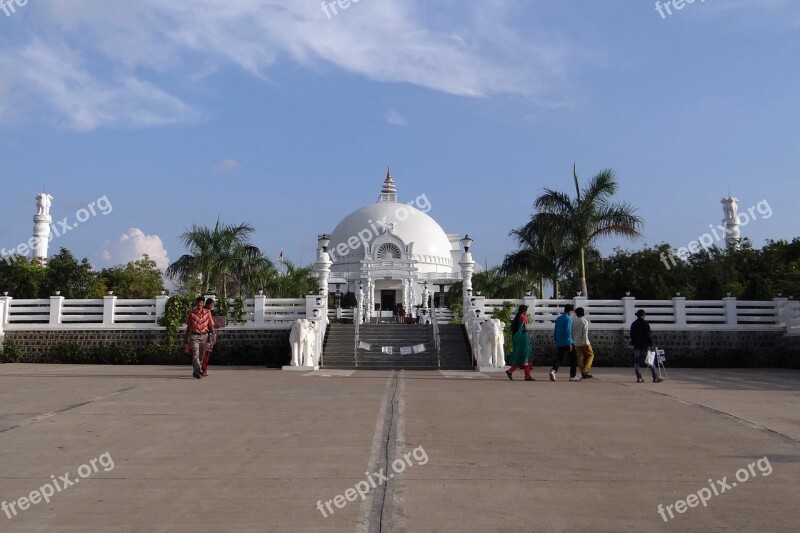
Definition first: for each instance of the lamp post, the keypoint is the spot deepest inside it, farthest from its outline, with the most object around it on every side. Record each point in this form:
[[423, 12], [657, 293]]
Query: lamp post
[[467, 268], [323, 264]]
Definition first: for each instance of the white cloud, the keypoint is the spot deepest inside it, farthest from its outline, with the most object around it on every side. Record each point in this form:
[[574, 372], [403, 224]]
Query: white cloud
[[227, 166], [133, 245], [83, 101], [120, 63], [395, 118]]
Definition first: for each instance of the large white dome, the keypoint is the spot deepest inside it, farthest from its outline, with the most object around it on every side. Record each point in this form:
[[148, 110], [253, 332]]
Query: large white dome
[[408, 223]]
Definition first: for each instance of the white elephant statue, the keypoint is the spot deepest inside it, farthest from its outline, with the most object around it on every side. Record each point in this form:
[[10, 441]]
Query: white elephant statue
[[490, 341], [303, 339]]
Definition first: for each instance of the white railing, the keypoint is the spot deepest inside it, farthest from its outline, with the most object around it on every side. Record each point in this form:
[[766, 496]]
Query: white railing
[[341, 314], [793, 318], [111, 312], [261, 312], [677, 313]]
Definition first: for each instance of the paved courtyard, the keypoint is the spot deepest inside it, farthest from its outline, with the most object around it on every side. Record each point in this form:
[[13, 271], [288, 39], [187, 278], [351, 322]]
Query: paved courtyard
[[91, 448]]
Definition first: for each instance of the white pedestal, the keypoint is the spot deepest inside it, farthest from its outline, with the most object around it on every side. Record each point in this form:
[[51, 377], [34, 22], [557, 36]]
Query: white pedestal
[[300, 368]]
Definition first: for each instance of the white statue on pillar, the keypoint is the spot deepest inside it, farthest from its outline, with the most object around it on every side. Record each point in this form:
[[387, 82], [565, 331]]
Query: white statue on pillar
[[43, 202], [730, 208]]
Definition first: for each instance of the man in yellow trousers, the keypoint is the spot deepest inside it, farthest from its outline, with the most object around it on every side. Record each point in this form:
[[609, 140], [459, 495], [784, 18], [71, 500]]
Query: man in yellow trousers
[[580, 333]]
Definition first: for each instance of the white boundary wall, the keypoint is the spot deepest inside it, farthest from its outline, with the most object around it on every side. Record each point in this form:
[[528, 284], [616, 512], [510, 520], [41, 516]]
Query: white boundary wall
[[675, 314], [110, 312]]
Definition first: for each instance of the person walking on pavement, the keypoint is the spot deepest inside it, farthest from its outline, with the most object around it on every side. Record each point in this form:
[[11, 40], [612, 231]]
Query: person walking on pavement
[[583, 348], [211, 338], [198, 324], [642, 340], [521, 353], [562, 334]]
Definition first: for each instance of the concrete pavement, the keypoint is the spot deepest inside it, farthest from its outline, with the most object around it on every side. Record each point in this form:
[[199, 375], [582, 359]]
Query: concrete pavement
[[253, 449]]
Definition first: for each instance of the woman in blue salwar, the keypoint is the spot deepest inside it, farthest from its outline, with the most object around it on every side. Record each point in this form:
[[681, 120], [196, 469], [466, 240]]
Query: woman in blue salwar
[[521, 353]]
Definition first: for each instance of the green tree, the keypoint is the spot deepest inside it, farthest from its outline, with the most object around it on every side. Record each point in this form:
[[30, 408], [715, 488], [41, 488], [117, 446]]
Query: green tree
[[221, 257], [542, 254], [577, 223], [138, 279], [21, 277], [73, 278], [294, 282], [494, 283], [647, 273]]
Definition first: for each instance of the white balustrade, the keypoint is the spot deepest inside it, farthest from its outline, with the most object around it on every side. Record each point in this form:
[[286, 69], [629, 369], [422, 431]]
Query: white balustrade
[[261, 312]]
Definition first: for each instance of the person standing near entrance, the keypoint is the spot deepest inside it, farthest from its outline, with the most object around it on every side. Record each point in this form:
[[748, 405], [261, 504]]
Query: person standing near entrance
[[642, 340], [521, 353], [583, 348], [424, 318], [198, 324], [562, 334]]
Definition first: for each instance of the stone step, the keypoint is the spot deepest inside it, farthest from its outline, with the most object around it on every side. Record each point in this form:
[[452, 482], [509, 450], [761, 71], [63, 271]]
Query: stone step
[[339, 346]]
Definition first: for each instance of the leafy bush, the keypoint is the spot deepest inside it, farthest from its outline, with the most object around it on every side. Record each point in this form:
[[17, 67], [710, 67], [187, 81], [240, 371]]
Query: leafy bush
[[178, 306], [12, 352]]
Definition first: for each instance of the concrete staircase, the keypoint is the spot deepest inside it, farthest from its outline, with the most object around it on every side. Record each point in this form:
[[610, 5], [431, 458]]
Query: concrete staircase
[[339, 342]]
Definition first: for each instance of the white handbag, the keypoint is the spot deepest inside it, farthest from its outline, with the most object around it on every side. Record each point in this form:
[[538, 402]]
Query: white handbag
[[650, 358]]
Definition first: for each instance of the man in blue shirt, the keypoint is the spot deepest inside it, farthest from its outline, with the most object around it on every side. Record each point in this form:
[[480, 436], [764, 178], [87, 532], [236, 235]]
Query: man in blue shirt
[[562, 333]]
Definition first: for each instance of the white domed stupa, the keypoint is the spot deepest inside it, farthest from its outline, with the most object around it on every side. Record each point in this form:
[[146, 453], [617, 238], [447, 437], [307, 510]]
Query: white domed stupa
[[394, 251]]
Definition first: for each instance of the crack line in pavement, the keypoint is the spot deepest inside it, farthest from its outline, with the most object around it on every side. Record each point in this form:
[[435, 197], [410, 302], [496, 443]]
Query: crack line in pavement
[[374, 506], [718, 412], [63, 410], [396, 431], [386, 447]]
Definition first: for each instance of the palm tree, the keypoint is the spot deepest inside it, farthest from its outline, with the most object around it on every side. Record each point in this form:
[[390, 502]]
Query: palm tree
[[221, 257], [494, 283], [294, 283], [581, 221], [541, 254]]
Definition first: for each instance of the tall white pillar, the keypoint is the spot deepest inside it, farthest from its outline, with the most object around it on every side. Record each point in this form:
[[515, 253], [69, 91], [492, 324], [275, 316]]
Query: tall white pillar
[[41, 227], [467, 268], [360, 303], [323, 267], [370, 305]]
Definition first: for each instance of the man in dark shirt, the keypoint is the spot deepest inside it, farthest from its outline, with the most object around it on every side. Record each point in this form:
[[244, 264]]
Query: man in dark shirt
[[642, 341]]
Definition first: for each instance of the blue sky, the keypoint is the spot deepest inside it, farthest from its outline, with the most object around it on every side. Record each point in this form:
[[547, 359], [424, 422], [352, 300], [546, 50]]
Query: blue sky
[[275, 114]]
